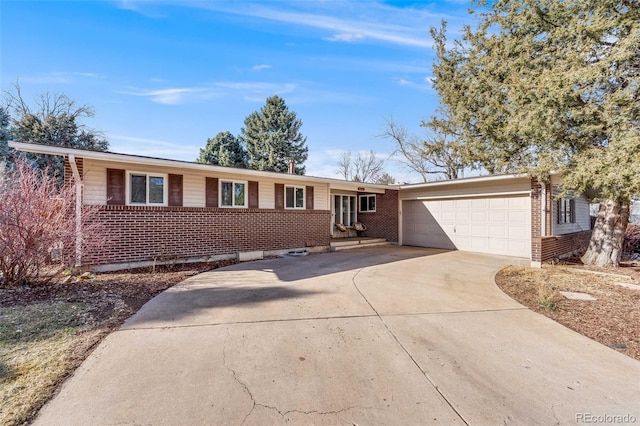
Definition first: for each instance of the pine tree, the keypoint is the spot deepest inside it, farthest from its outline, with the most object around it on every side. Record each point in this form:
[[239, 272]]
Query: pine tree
[[223, 150], [272, 137], [552, 85]]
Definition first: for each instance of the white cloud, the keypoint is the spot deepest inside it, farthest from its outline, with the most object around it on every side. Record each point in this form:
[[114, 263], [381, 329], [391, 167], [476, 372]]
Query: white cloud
[[347, 37], [423, 86], [173, 96], [64, 77], [343, 29], [261, 67]]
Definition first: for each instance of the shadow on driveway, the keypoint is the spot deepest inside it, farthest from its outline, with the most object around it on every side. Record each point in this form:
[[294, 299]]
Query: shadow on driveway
[[303, 267]]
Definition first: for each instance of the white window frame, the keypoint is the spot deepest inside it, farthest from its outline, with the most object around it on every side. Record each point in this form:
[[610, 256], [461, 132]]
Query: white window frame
[[367, 197], [566, 211], [304, 197], [339, 214], [233, 198], [165, 188]]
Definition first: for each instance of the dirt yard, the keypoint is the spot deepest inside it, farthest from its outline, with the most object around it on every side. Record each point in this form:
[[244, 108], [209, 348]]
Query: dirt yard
[[613, 319]]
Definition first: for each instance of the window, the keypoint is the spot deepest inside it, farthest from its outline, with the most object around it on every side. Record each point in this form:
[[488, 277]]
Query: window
[[294, 197], [147, 188], [566, 211], [233, 194], [368, 203]]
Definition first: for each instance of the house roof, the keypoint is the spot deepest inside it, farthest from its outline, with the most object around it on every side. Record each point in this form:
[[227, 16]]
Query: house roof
[[188, 165]]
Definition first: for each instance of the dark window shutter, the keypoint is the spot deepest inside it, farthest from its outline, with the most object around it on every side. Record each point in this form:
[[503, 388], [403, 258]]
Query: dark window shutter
[[253, 195], [175, 190], [572, 205], [115, 187], [279, 196], [212, 192], [309, 194]]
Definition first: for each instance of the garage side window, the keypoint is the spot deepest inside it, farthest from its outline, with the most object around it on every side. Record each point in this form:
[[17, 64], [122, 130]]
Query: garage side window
[[566, 211], [368, 203], [146, 189]]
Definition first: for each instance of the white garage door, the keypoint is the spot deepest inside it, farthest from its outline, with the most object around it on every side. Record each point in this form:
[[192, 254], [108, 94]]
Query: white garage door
[[496, 225]]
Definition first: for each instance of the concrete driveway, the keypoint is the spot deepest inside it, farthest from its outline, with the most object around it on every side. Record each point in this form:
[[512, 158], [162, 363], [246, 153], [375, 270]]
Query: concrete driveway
[[387, 335]]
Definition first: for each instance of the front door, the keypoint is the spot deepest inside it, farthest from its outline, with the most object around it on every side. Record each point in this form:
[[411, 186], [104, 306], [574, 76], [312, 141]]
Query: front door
[[344, 209]]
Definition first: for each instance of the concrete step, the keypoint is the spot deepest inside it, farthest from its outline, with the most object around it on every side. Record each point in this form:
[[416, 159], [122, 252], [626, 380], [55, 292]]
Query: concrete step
[[360, 243]]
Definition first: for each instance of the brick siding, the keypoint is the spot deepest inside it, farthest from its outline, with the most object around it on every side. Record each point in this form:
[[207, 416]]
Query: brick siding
[[68, 172], [556, 246], [548, 247], [384, 222], [142, 233], [536, 222]]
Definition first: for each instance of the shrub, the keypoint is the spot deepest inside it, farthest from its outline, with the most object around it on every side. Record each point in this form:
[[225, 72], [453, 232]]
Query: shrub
[[631, 243], [37, 216], [547, 296]]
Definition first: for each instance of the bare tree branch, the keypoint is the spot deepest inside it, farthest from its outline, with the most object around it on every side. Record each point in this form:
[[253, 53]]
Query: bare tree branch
[[363, 167]]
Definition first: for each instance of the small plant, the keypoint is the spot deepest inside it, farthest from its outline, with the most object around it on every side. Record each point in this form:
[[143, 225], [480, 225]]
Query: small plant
[[547, 296]]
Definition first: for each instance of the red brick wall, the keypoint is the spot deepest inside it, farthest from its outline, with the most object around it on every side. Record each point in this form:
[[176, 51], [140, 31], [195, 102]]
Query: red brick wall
[[140, 233], [536, 221], [384, 222], [68, 172], [545, 248], [559, 245]]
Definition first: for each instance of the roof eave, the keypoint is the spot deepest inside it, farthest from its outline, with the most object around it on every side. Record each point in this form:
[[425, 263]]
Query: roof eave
[[161, 162]]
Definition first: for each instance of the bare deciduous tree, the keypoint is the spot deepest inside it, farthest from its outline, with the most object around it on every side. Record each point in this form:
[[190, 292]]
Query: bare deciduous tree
[[362, 167], [436, 155]]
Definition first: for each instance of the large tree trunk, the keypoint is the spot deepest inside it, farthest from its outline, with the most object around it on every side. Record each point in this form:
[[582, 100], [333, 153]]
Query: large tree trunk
[[605, 247]]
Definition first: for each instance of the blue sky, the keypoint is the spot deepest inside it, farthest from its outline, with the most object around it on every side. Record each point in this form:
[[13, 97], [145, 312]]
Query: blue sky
[[163, 76]]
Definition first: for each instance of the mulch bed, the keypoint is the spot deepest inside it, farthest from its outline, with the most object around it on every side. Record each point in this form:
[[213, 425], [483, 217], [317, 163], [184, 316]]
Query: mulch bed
[[613, 319]]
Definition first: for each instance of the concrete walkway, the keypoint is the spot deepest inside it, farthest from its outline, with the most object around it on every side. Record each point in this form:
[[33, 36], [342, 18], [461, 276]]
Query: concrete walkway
[[387, 335]]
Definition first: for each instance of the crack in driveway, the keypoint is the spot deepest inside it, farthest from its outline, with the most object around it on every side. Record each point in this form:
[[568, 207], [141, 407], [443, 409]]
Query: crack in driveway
[[255, 404], [404, 349]]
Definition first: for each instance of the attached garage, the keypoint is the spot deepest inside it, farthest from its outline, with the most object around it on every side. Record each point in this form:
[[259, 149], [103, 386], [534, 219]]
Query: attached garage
[[488, 216]]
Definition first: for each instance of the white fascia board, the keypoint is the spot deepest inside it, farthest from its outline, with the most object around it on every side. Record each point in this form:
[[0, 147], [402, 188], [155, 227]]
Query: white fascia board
[[459, 196], [161, 162], [463, 181]]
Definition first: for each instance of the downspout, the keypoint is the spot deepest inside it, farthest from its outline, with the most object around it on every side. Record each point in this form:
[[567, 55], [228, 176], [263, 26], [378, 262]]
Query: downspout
[[78, 182]]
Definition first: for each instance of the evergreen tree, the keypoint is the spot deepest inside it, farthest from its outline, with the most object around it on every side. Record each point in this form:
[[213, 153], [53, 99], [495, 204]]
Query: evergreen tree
[[550, 85], [224, 150], [55, 120], [272, 137], [4, 134]]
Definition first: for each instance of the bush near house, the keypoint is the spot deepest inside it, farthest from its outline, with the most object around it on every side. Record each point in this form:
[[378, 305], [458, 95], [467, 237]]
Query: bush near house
[[37, 219]]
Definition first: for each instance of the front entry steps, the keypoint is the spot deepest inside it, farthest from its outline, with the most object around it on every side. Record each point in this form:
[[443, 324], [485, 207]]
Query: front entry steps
[[351, 243]]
